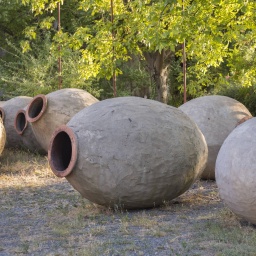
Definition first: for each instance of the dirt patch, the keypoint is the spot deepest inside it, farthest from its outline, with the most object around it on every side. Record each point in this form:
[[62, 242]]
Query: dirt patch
[[43, 215]]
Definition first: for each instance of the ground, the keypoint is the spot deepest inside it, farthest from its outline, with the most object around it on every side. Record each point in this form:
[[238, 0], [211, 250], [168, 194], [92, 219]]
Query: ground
[[41, 214]]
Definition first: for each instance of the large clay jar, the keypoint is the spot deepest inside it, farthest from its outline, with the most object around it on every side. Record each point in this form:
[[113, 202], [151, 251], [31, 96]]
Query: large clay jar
[[129, 152], [236, 171], [216, 116], [8, 113], [25, 131], [47, 112]]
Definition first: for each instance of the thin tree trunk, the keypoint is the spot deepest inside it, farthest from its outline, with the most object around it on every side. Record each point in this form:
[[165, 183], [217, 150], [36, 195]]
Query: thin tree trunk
[[158, 65]]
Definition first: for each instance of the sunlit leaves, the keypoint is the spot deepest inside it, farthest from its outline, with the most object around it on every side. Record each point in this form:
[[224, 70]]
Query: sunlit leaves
[[216, 32], [41, 6], [25, 46], [47, 23], [30, 32]]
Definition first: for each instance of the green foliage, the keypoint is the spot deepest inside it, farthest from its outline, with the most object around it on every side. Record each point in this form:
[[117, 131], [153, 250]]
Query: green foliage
[[216, 32], [28, 73], [39, 6], [224, 44], [176, 78], [244, 94], [220, 42], [36, 71], [242, 61], [14, 17], [200, 83], [134, 80]]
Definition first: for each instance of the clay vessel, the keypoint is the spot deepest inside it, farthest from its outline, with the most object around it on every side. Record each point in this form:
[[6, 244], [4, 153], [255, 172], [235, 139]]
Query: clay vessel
[[216, 116], [129, 152], [47, 112], [25, 131], [236, 171], [8, 113]]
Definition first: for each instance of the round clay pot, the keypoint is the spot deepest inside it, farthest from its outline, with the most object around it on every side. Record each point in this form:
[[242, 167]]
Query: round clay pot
[[129, 152], [25, 131], [216, 116], [8, 113], [236, 171], [47, 112]]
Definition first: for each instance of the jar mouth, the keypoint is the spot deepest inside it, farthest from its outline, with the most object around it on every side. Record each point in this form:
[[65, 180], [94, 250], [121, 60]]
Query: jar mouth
[[36, 108], [62, 152], [2, 114], [20, 122]]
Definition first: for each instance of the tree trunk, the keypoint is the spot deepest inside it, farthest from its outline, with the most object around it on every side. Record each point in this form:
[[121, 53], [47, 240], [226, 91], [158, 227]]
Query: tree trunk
[[158, 66]]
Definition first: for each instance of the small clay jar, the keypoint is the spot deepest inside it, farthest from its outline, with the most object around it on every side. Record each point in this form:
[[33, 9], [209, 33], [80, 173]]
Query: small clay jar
[[47, 112], [216, 116]]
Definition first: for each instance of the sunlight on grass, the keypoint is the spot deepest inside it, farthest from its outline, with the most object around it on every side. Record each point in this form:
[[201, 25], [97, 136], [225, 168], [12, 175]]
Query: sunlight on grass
[[226, 235], [22, 169]]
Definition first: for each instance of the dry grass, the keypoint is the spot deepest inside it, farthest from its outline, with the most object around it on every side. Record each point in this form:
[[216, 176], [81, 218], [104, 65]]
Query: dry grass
[[43, 215]]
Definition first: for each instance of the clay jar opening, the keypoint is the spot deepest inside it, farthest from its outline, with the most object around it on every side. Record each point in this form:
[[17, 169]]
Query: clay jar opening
[[36, 108], [62, 153], [20, 122], [2, 113]]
